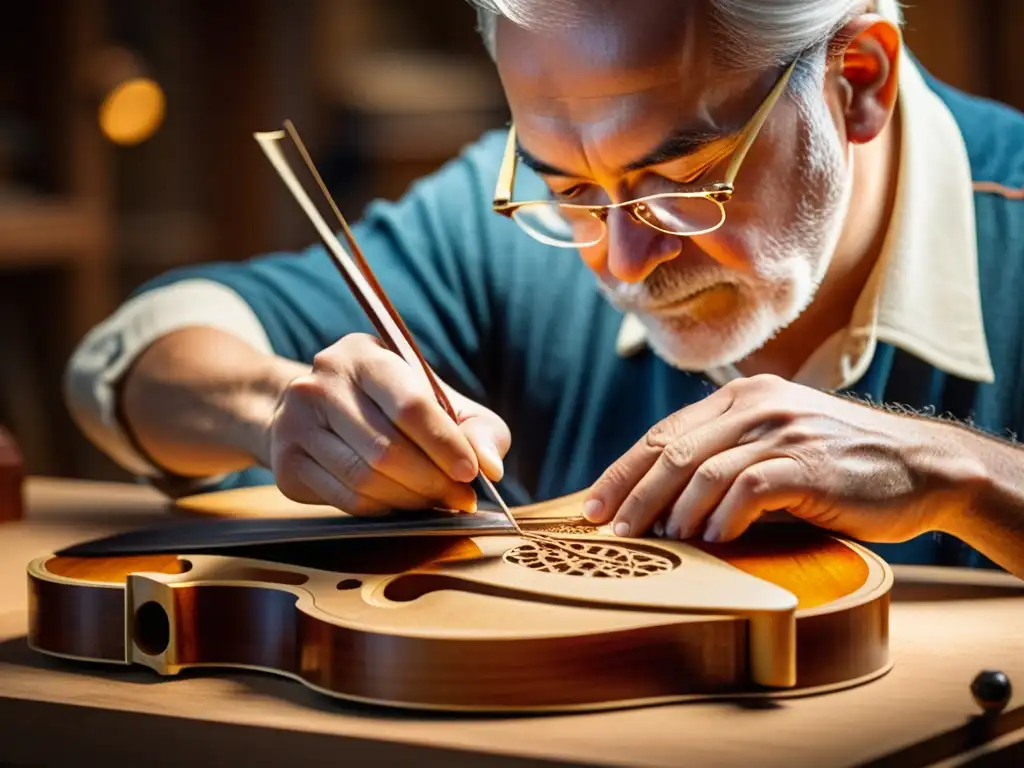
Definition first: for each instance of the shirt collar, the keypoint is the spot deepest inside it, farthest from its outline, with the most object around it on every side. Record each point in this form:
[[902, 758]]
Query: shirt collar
[[924, 294]]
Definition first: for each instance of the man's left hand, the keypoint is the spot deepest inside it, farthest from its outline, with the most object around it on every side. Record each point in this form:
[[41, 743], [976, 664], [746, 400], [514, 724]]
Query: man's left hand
[[764, 444]]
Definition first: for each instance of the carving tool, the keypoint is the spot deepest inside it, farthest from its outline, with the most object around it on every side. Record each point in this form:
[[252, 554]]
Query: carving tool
[[361, 281]]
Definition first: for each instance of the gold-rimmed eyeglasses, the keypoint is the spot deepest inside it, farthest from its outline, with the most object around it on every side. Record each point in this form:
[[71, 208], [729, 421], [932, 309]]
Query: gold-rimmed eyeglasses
[[684, 213]]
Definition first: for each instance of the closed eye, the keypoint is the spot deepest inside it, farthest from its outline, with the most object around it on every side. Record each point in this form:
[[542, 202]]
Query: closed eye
[[584, 193], [693, 173], [692, 177], [572, 193]]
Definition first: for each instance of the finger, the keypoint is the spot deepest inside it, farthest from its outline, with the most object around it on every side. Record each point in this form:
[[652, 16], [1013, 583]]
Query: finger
[[376, 446], [615, 484], [708, 486], [325, 488], [352, 470], [765, 487], [411, 406], [673, 470], [489, 455], [486, 431]]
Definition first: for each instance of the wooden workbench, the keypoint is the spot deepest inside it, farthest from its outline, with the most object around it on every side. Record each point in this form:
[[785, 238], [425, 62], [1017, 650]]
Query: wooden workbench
[[945, 627]]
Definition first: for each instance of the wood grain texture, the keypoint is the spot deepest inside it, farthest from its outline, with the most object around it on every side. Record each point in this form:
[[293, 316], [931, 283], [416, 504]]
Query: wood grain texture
[[454, 623], [113, 570], [54, 610], [817, 569]]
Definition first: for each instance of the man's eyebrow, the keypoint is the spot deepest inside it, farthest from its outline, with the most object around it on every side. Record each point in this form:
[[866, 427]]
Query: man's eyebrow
[[539, 166], [677, 145]]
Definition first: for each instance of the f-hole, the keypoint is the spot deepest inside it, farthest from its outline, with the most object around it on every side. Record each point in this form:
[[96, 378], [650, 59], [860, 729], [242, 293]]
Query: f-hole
[[152, 630]]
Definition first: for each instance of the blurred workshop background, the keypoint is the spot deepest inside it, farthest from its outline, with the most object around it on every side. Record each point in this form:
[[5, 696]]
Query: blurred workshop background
[[126, 149]]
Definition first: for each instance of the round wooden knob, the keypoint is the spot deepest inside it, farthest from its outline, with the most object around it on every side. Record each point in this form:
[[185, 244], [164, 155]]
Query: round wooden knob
[[991, 690]]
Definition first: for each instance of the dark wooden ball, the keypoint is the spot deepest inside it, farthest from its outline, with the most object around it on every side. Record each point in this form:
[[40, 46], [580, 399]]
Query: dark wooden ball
[[991, 690]]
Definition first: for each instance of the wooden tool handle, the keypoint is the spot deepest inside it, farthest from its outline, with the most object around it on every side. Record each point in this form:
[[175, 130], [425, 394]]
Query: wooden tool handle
[[12, 478], [386, 334], [360, 278]]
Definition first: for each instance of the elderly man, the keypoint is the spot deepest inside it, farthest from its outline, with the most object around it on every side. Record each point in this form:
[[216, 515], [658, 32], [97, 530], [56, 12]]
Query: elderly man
[[731, 257]]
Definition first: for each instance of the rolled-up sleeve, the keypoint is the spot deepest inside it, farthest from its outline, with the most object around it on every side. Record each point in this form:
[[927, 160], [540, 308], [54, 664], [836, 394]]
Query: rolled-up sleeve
[[108, 351]]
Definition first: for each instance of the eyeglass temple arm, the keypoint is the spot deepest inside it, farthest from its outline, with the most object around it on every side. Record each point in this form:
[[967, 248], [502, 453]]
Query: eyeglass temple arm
[[756, 123], [507, 173]]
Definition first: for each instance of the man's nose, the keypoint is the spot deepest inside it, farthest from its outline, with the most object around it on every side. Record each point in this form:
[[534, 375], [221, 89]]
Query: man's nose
[[634, 249]]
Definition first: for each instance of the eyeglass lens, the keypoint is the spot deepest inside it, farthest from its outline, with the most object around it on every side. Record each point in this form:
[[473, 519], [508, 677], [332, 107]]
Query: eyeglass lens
[[564, 224]]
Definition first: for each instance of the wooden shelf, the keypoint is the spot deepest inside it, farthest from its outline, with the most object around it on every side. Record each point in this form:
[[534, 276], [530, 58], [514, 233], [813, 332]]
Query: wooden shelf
[[36, 230]]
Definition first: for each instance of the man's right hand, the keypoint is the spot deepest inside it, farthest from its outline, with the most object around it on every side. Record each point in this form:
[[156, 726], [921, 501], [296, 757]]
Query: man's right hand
[[364, 433]]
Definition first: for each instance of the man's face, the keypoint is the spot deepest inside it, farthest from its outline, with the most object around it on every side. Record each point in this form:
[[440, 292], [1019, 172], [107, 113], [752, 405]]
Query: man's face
[[624, 104]]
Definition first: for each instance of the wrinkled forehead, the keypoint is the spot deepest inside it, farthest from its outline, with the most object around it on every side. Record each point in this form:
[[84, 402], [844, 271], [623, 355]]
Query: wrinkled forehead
[[628, 70]]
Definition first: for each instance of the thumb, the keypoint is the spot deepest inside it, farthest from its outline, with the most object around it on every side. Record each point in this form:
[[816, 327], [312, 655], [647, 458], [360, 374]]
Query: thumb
[[486, 431]]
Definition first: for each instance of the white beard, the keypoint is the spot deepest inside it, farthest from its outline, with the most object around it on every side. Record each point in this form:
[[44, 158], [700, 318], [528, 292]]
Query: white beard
[[788, 267]]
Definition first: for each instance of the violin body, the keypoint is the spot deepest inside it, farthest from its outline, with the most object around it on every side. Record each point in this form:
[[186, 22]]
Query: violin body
[[488, 622]]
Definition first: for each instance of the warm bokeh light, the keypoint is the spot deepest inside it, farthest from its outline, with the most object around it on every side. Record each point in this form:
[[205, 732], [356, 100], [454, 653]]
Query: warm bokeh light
[[132, 111]]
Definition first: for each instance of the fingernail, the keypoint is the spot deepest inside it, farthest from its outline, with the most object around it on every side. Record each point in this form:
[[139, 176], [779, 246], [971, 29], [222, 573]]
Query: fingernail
[[592, 510], [712, 533], [461, 498], [490, 453], [621, 529], [463, 471]]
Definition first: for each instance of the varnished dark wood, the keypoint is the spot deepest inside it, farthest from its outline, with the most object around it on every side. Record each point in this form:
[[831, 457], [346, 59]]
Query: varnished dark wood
[[653, 662], [12, 478], [81, 620], [644, 664]]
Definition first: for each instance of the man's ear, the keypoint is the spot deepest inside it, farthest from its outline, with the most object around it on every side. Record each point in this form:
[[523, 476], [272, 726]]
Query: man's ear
[[866, 56]]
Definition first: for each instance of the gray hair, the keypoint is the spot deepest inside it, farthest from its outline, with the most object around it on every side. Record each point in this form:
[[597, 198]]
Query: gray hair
[[756, 32]]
